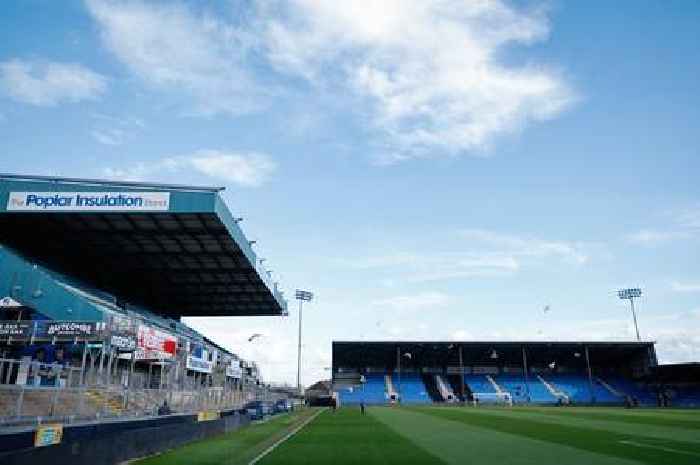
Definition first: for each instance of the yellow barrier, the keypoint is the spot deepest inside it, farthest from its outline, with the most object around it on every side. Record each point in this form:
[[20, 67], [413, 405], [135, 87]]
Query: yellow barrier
[[48, 435], [207, 415]]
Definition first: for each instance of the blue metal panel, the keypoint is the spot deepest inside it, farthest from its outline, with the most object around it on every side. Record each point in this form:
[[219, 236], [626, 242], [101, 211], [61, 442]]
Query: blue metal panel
[[36, 287]]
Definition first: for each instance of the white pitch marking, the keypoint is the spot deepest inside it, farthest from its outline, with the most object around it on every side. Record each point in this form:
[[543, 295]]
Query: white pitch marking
[[665, 449], [289, 435]]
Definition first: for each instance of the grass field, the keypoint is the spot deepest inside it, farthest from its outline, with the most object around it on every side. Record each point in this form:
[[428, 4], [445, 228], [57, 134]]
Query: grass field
[[443, 435]]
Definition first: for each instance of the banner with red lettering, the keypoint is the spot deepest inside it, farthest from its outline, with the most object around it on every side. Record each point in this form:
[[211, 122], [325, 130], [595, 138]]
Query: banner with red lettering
[[154, 344]]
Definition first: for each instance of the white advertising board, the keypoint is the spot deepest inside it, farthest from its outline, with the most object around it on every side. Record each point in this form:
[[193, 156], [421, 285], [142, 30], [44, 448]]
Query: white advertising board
[[88, 201]]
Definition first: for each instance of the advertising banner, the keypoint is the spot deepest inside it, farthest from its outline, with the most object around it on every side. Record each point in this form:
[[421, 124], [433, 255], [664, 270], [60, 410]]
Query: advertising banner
[[48, 435], [198, 359], [16, 329], [123, 342], [196, 364], [69, 329], [207, 415], [88, 201], [233, 370], [154, 344]]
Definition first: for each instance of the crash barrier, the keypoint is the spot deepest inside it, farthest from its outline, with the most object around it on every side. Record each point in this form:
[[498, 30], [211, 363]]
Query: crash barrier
[[109, 443]]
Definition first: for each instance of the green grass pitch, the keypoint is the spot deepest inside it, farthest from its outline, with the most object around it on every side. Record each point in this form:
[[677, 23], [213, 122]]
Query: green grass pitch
[[463, 435]]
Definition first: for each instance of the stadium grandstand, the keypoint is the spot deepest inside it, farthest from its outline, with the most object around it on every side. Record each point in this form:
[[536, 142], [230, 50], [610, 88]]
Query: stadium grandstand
[[95, 278], [537, 373]]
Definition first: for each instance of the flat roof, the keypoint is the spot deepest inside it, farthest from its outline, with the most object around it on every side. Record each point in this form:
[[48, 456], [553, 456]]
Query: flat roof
[[437, 353], [176, 250]]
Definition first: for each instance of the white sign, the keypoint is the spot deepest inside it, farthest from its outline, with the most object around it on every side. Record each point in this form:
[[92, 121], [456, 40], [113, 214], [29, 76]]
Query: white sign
[[9, 302], [233, 370], [88, 201], [198, 364]]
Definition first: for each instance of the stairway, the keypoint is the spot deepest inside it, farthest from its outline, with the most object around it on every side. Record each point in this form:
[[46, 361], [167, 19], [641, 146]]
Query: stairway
[[100, 399], [611, 389], [431, 387], [389, 384], [454, 381], [494, 384], [553, 390], [445, 389]]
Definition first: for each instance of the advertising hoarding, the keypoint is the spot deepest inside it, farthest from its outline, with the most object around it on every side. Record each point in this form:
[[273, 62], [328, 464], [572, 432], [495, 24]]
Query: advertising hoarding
[[88, 201]]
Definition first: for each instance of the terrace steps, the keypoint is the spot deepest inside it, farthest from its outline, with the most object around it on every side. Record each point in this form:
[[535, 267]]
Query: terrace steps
[[495, 385], [553, 390]]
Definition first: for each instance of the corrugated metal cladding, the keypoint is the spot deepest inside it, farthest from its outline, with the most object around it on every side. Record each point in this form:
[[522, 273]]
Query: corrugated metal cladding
[[187, 257]]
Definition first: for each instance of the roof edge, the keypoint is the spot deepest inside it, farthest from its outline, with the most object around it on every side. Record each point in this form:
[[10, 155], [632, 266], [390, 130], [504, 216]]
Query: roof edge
[[106, 182]]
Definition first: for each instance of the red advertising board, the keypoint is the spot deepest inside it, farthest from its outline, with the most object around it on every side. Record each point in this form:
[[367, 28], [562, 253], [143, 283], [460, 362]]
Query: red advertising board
[[154, 344]]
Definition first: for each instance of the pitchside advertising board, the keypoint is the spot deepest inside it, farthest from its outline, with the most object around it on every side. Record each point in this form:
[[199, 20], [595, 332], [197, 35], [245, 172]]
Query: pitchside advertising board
[[88, 201]]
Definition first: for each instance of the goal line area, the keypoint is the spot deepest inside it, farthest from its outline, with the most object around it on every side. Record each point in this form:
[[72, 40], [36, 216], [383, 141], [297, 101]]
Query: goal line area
[[492, 398]]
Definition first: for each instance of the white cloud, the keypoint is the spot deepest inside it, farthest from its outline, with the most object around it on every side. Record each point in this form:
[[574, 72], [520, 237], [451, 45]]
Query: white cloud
[[683, 225], [111, 136], [418, 268], [172, 48], [689, 218], [47, 83], [478, 254], [430, 69], [114, 130], [685, 287], [525, 246], [408, 303], [428, 73], [245, 169], [654, 237]]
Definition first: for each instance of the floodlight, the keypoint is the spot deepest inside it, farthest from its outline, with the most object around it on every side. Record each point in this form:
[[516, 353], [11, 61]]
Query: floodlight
[[631, 294], [304, 295], [301, 296]]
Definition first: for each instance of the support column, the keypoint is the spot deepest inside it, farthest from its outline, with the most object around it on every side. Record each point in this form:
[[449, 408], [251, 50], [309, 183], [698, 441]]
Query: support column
[[398, 369], [461, 373], [82, 365], [525, 374], [131, 369], [102, 362], [590, 374]]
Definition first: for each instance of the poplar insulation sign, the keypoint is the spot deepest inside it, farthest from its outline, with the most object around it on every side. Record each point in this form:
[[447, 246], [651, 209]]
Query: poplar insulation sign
[[88, 201]]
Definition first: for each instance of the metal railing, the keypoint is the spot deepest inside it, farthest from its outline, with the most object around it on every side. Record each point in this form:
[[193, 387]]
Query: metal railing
[[41, 393]]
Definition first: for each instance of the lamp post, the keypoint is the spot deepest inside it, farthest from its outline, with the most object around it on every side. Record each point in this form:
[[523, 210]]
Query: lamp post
[[631, 294], [301, 296]]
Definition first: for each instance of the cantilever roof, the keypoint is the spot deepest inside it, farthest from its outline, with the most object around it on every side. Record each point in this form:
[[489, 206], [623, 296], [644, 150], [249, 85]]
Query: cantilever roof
[[436, 353], [174, 249]]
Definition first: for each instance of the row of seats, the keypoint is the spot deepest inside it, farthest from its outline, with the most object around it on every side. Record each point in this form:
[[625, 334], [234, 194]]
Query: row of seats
[[373, 391], [412, 389], [575, 387]]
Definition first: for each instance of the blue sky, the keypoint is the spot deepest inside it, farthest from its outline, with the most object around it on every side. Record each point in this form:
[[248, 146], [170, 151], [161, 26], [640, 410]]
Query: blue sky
[[431, 170]]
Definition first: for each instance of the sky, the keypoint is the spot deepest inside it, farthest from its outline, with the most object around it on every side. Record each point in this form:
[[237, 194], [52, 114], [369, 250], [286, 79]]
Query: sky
[[430, 169]]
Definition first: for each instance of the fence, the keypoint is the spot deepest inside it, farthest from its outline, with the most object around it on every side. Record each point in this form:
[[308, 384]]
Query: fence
[[51, 392]]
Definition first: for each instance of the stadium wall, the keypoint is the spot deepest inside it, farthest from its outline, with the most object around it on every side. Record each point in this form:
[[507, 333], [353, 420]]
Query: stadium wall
[[115, 442]]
